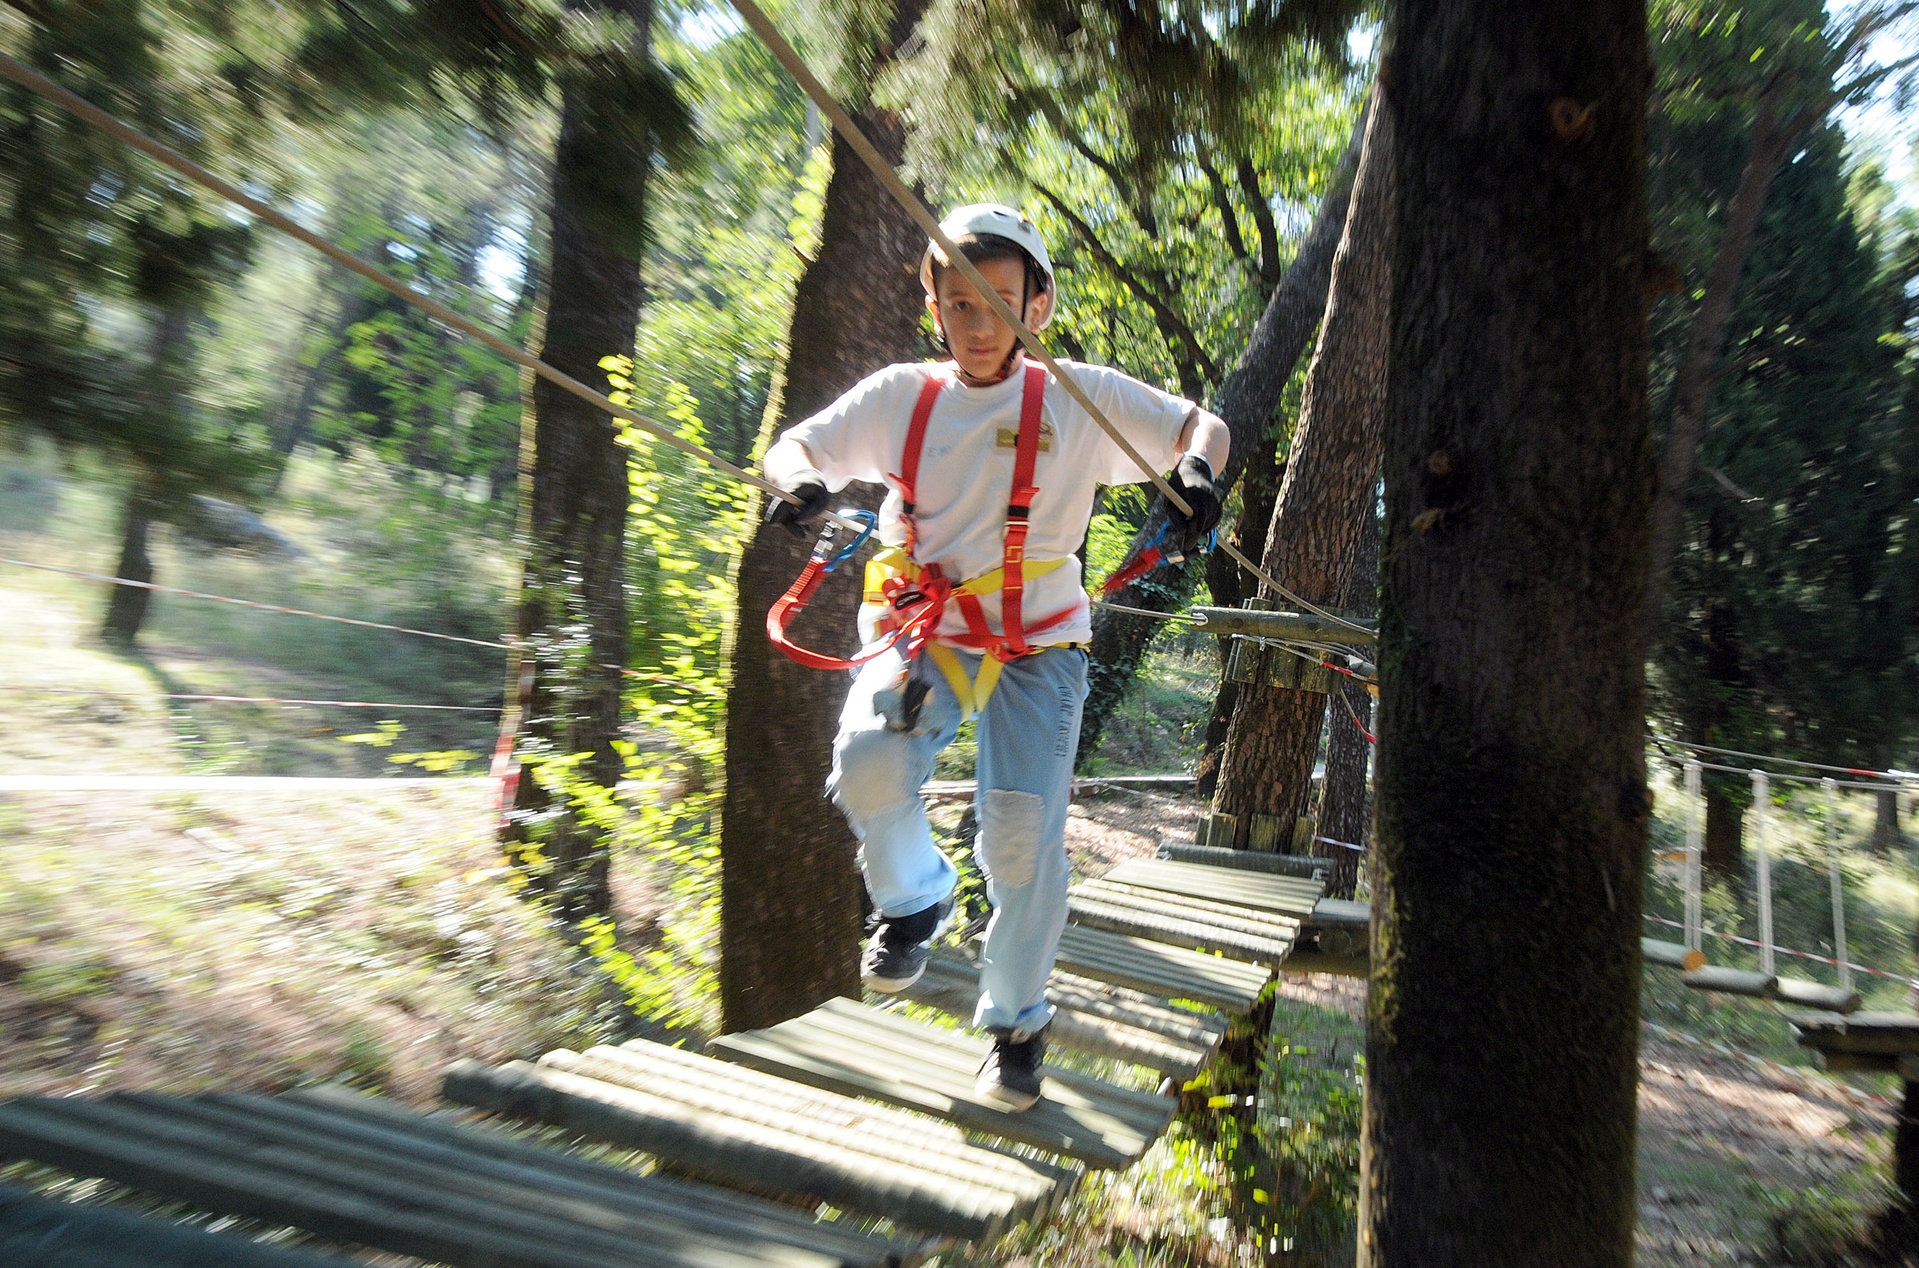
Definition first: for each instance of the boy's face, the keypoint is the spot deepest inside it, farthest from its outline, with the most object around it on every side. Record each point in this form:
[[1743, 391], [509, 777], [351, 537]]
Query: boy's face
[[979, 339]]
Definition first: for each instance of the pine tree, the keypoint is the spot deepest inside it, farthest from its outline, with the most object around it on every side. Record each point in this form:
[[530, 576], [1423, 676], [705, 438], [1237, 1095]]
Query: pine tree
[[1502, 1023]]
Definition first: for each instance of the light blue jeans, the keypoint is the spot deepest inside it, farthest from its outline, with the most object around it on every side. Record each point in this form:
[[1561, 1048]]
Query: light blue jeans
[[1028, 736]]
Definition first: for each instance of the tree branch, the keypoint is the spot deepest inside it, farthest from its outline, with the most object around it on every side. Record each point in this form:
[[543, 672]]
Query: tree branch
[[1196, 368], [1227, 216], [1262, 217]]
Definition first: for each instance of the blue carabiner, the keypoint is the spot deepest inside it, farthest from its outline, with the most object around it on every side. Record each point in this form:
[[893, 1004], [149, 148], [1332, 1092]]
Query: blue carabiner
[[869, 521]]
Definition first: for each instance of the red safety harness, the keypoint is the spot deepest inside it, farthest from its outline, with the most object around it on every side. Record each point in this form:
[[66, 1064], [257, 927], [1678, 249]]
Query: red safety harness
[[913, 598]]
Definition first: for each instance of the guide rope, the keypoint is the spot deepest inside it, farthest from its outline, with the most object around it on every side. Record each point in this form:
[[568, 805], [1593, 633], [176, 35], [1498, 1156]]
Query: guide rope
[[157, 588], [282, 610]]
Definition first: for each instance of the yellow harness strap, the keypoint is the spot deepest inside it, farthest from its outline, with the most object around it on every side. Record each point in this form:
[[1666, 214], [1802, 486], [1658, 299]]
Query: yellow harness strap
[[972, 693]]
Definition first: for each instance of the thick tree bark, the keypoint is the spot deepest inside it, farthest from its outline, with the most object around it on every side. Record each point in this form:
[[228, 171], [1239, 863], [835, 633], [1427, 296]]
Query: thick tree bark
[[572, 610], [1348, 814], [1325, 502], [1245, 400], [1512, 801], [791, 900], [1772, 140]]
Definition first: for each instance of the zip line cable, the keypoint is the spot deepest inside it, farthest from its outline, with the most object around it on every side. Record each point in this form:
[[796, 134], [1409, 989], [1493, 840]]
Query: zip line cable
[[157, 588], [33, 80], [829, 105]]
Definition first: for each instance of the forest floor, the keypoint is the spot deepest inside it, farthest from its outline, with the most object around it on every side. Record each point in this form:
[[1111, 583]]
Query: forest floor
[[255, 941]]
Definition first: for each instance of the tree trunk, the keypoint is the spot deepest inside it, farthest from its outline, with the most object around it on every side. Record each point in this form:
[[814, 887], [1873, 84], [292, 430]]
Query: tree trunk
[[1324, 504], [163, 393], [572, 609], [1348, 813], [127, 605], [1512, 800], [1885, 823], [1706, 335], [1722, 853], [791, 901], [1245, 400]]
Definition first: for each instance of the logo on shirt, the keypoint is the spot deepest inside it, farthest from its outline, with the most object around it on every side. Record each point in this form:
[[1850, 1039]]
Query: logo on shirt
[[1008, 438]]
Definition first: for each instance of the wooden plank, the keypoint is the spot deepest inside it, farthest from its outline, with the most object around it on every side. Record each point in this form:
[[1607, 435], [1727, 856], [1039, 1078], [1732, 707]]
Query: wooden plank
[[1717, 977], [1340, 913], [846, 1047], [285, 1184], [1288, 895], [1139, 1008], [1892, 1034], [571, 1173], [43, 1233], [1142, 921], [1672, 955], [1805, 994], [953, 987], [965, 1052], [1158, 969], [386, 1163], [1303, 865], [940, 1193], [1268, 924], [340, 1114]]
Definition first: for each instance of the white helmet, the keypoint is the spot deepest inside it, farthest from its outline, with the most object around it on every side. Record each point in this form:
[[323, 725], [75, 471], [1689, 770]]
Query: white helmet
[[1003, 222]]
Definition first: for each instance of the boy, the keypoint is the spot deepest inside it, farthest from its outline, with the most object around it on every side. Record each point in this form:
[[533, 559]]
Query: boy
[[992, 468]]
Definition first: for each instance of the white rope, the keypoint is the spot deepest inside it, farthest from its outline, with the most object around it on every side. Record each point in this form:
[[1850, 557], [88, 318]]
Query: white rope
[[1762, 834], [1838, 883], [1695, 911]]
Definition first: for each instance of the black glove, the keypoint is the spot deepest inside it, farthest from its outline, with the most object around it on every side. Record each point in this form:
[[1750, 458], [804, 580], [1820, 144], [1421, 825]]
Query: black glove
[[809, 486], [1193, 480]]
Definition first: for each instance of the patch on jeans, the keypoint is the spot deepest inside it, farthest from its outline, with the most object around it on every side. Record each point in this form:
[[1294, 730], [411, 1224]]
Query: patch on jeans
[[1009, 830]]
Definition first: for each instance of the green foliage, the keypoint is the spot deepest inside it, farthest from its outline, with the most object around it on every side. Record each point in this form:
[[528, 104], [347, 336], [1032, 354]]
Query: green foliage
[[1792, 614], [1132, 142]]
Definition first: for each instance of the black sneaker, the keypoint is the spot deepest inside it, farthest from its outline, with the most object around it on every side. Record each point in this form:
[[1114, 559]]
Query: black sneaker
[[896, 957], [1010, 1074]]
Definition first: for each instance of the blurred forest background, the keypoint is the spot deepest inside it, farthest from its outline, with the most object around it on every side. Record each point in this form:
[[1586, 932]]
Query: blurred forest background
[[190, 399]]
